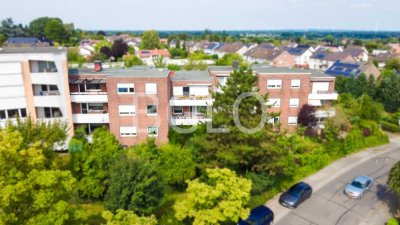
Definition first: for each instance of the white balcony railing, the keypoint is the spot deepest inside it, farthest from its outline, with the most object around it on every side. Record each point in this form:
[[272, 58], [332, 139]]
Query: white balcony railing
[[323, 95], [48, 101], [325, 113], [91, 118], [89, 97], [188, 120], [191, 101]]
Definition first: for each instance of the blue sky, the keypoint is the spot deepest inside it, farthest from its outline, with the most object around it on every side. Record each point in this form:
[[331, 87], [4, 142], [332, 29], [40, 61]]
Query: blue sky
[[212, 14]]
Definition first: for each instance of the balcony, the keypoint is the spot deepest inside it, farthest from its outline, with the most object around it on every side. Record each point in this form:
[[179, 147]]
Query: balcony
[[47, 78], [191, 101], [91, 117], [188, 120], [89, 97], [47, 101], [325, 113], [323, 95]]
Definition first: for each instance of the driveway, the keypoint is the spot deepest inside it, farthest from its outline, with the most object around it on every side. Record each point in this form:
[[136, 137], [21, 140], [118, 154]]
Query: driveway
[[329, 206]]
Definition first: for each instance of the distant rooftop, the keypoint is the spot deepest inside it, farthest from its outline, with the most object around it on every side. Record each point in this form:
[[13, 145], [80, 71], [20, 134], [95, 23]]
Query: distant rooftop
[[191, 76], [220, 68], [123, 72], [32, 50]]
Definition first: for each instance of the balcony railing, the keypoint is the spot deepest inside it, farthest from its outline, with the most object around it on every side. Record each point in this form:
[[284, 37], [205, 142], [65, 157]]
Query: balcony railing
[[49, 93], [95, 111], [99, 92], [324, 92], [191, 97]]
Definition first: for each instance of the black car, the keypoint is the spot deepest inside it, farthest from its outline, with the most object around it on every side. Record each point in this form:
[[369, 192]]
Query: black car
[[297, 194], [261, 215]]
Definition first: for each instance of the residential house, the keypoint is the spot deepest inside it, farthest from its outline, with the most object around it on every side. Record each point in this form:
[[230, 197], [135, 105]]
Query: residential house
[[301, 53], [229, 48], [382, 58], [359, 53], [353, 69], [149, 56], [27, 42], [258, 53], [395, 48], [323, 59]]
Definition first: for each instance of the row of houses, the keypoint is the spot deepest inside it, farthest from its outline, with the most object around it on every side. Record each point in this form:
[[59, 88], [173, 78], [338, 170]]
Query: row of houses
[[141, 102]]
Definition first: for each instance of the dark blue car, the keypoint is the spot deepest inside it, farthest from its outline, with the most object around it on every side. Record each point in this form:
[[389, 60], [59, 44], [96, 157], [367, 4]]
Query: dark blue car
[[297, 194], [261, 215]]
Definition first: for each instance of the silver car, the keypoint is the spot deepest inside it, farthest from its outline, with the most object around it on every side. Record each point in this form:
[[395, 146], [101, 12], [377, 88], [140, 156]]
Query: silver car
[[356, 188]]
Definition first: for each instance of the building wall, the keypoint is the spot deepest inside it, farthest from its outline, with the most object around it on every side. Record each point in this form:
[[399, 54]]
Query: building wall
[[284, 60], [285, 93], [141, 120]]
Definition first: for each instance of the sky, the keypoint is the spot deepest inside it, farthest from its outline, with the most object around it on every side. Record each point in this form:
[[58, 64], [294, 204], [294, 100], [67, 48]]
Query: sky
[[375, 15]]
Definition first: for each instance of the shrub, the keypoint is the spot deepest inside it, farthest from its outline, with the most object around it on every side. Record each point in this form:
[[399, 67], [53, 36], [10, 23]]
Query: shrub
[[260, 182], [390, 127], [392, 221]]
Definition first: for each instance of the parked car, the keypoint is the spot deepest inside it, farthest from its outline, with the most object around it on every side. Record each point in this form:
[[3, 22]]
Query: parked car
[[358, 186], [296, 194], [261, 215]]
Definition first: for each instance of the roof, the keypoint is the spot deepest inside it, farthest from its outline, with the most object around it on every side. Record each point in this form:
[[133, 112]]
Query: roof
[[220, 68], [33, 50], [354, 50], [384, 57], [298, 51], [344, 69], [125, 72], [149, 53], [191, 76], [22, 40], [285, 70], [230, 47]]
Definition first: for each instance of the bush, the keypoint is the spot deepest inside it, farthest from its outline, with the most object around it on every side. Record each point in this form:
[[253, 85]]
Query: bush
[[392, 221], [390, 127], [260, 182]]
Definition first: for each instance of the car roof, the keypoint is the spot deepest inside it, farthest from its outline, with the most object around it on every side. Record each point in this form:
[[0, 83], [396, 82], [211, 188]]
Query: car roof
[[362, 179], [259, 212], [301, 185]]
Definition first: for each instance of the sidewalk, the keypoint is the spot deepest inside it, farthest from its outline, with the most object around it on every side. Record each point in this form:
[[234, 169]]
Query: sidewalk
[[334, 170]]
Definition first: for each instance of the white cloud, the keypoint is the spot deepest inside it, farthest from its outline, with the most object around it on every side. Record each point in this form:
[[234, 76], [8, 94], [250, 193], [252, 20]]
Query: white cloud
[[361, 5]]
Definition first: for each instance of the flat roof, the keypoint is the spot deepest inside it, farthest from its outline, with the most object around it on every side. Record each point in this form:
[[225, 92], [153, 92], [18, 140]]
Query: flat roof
[[18, 50], [220, 68], [191, 76], [122, 72], [287, 70]]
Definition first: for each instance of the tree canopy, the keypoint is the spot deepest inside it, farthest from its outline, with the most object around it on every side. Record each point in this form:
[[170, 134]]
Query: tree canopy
[[150, 40]]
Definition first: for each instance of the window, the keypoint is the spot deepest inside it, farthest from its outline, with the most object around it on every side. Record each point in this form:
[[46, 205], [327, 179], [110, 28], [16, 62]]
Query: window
[[292, 120], [46, 66], [222, 81], [186, 91], [127, 110], [274, 102], [294, 102], [126, 88], [53, 88], [151, 109], [152, 131], [151, 88], [127, 131], [274, 120], [295, 83], [178, 110], [92, 87], [95, 107], [12, 113], [23, 113], [3, 115], [274, 84]]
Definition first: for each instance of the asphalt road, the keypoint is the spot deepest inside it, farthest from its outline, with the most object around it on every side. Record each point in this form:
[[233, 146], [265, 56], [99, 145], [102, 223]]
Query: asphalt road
[[329, 206]]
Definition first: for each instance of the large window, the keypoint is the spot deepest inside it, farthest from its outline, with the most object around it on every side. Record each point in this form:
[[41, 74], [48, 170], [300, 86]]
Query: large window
[[151, 109], [126, 88], [186, 91], [177, 110], [152, 131], [292, 120], [92, 108], [92, 87], [12, 113], [274, 102], [127, 110], [151, 88], [127, 131], [294, 102], [46, 67], [295, 83], [52, 112], [274, 84]]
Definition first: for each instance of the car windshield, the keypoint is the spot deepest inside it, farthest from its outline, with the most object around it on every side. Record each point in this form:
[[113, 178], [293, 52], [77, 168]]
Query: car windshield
[[251, 221], [295, 190], [357, 184]]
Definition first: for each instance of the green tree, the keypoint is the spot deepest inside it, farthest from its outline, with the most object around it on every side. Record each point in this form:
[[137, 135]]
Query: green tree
[[228, 59], [55, 31], [37, 26], [132, 60], [3, 39], [123, 217], [9, 29], [394, 178], [176, 165], [150, 40], [221, 197], [134, 185], [238, 150], [159, 62], [388, 92], [393, 64], [30, 193], [92, 163]]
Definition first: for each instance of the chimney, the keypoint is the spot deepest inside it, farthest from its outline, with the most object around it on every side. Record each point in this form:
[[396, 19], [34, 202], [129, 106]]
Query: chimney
[[98, 66], [235, 65]]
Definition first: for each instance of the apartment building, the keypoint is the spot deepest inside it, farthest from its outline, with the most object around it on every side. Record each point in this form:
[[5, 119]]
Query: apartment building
[[34, 82], [141, 102], [289, 90]]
